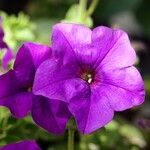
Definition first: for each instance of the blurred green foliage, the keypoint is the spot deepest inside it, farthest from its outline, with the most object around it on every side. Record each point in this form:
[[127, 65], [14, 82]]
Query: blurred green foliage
[[49, 8], [147, 84], [119, 134], [143, 16], [108, 8], [81, 13], [74, 16], [17, 29]]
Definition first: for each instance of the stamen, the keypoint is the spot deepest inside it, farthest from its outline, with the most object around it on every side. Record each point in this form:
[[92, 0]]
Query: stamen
[[87, 77]]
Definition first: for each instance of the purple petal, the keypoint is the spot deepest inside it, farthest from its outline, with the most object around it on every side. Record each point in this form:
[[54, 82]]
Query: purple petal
[[74, 34], [124, 88], [67, 37], [29, 57], [19, 104], [14, 96], [50, 80], [115, 50], [86, 55], [52, 115], [9, 84], [22, 145], [91, 111]]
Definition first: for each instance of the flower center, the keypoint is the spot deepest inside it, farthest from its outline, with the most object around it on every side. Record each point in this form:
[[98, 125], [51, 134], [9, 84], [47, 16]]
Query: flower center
[[88, 77]]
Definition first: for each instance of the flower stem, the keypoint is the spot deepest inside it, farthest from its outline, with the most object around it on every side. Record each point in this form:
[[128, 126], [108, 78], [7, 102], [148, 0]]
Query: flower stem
[[92, 8], [71, 131], [82, 8], [70, 139]]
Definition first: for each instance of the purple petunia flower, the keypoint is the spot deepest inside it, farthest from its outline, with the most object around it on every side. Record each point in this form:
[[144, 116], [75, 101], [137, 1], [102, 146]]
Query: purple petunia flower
[[92, 72], [16, 90], [22, 145], [8, 55]]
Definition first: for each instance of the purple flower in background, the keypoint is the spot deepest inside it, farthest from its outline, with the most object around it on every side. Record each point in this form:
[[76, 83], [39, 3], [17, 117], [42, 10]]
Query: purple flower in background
[[16, 90], [8, 55], [22, 145], [93, 72]]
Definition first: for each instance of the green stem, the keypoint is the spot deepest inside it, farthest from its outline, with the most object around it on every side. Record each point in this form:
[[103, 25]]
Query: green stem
[[92, 8], [70, 138], [84, 143], [82, 8]]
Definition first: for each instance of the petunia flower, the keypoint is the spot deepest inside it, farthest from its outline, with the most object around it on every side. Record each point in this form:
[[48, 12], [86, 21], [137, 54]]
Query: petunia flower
[[22, 145], [92, 72], [16, 90], [4, 49]]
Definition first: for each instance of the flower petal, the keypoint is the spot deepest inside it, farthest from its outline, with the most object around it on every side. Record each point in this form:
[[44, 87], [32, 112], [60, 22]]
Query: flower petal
[[52, 115], [50, 80], [13, 95], [74, 34], [67, 37], [114, 47], [86, 55], [19, 104], [29, 57], [9, 84], [125, 88], [91, 111], [22, 145]]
